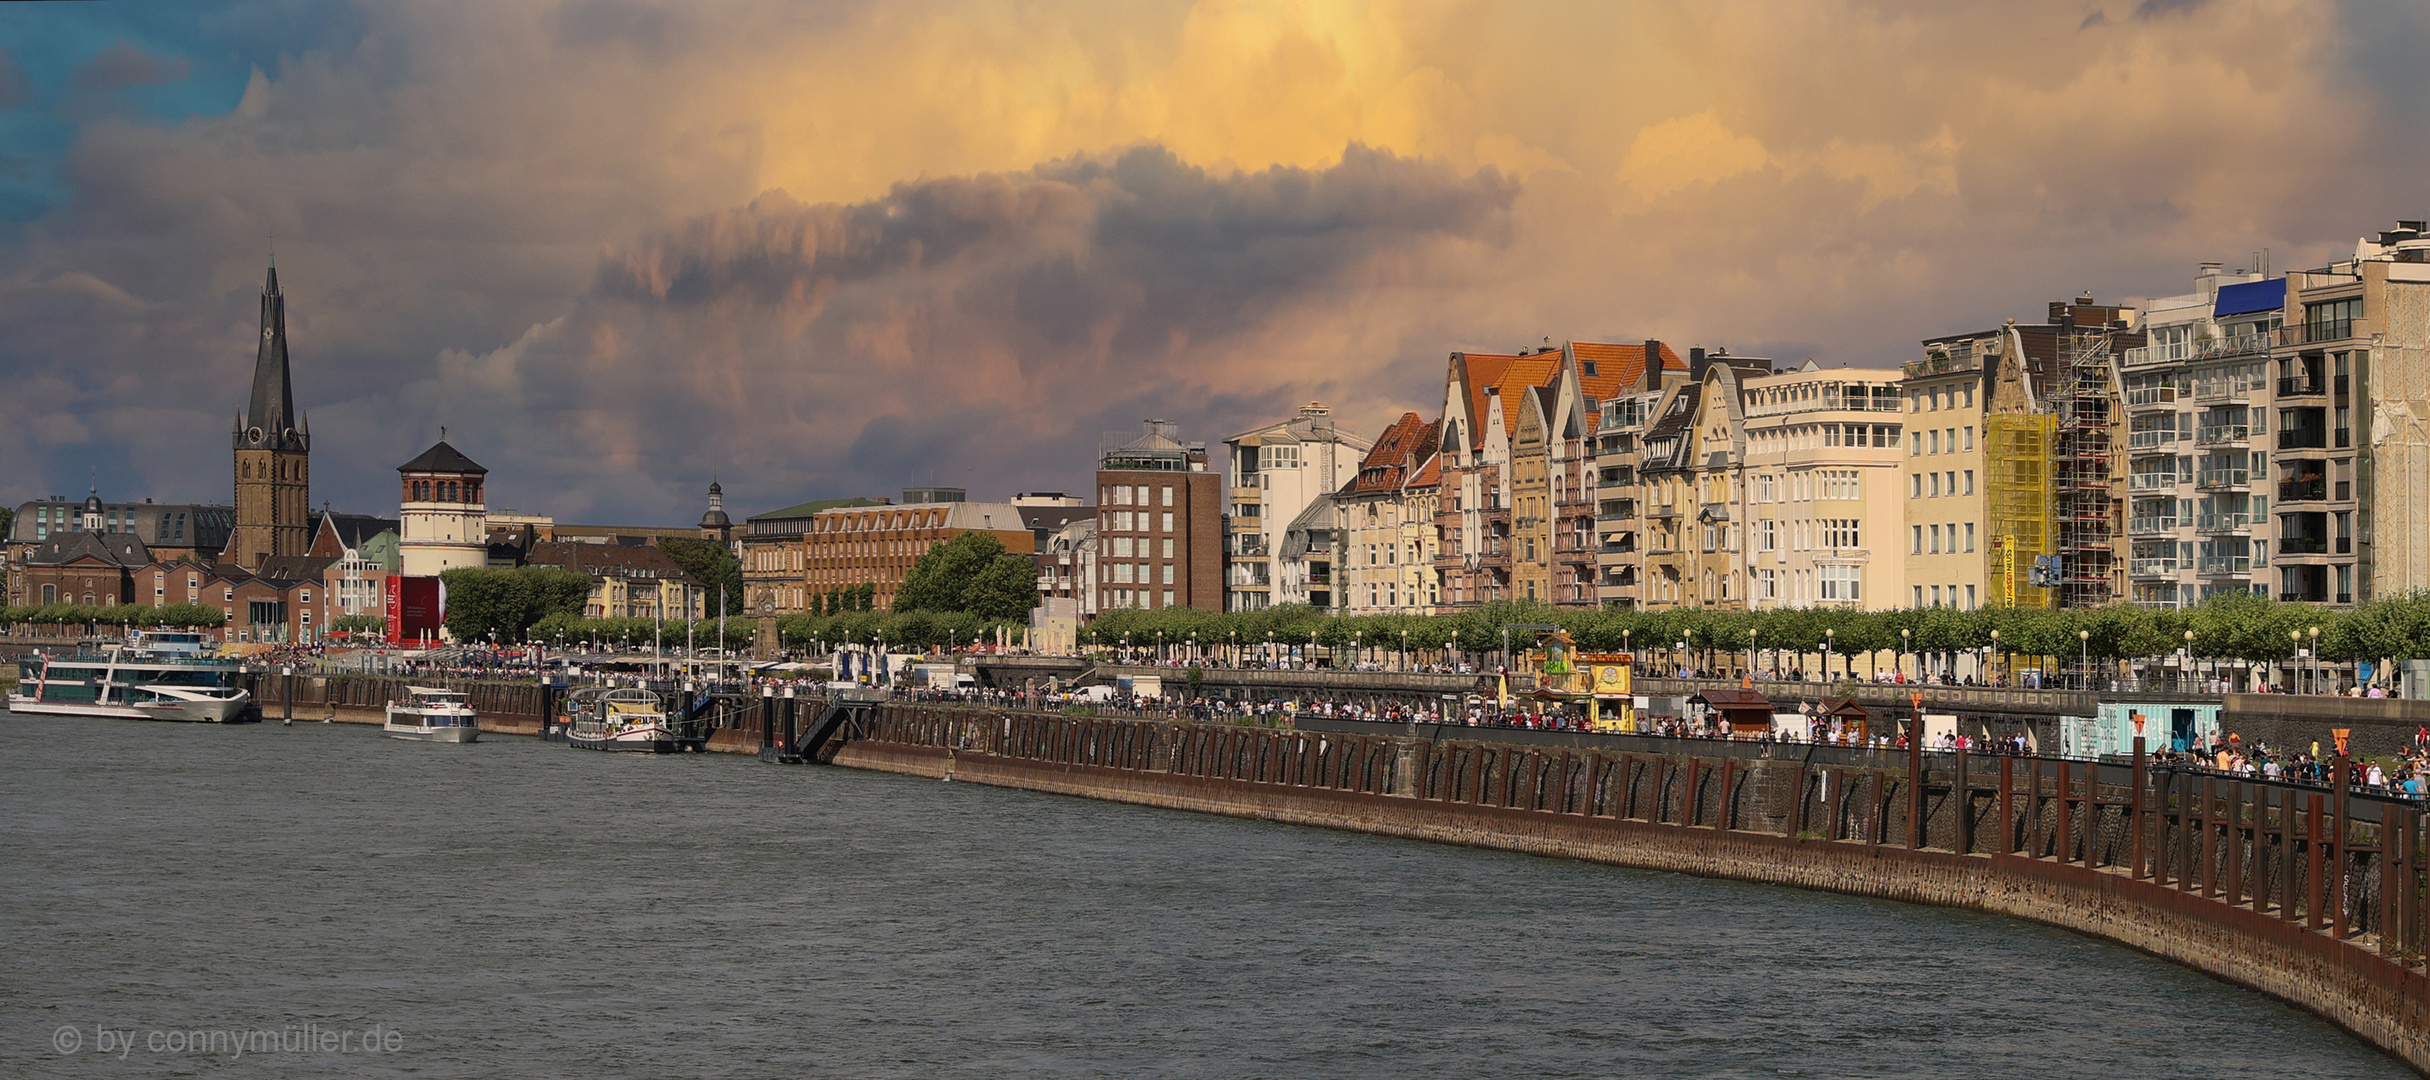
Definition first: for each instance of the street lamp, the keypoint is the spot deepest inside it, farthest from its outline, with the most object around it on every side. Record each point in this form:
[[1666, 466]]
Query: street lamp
[[1404, 650], [1905, 636], [1750, 652], [2295, 665], [1683, 653], [1995, 651], [2315, 659], [2189, 658], [1358, 647], [2084, 659], [1455, 649], [1830, 645], [1235, 636]]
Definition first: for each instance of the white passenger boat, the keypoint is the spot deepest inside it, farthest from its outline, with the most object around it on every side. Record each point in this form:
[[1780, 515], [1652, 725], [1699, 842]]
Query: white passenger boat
[[628, 719], [154, 676], [431, 714]]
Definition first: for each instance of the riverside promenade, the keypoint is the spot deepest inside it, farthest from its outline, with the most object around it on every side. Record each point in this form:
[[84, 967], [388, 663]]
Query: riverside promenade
[[2315, 895]]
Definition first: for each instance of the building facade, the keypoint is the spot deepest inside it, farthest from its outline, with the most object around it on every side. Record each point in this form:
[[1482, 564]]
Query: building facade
[[1278, 472], [775, 564], [848, 547], [273, 444], [169, 531], [627, 582], [1387, 523], [1160, 522], [1822, 499], [2197, 403], [442, 522], [362, 552]]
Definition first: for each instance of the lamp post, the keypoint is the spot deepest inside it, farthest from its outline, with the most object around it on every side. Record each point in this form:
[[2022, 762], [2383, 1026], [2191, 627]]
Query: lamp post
[[1830, 645], [1404, 650], [1193, 646], [1995, 651], [1750, 652], [1905, 637], [1235, 636], [1683, 656], [2295, 663], [1270, 657], [1626, 648], [1455, 649], [2189, 659], [2315, 659], [2084, 659]]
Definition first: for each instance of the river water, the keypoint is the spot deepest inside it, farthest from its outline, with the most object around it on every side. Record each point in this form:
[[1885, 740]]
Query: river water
[[514, 908]]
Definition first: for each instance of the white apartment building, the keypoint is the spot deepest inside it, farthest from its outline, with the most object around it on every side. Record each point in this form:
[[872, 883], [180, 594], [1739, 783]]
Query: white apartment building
[[1823, 460], [1277, 472]]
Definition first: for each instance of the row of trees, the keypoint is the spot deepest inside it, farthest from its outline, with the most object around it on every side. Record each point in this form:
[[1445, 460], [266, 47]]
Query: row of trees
[[183, 616], [2246, 628], [568, 630], [898, 629]]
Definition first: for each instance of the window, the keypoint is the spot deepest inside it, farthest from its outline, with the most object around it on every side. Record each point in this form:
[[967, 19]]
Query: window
[[1919, 596], [1168, 598], [1122, 494], [1764, 535], [1841, 582], [1122, 547], [1970, 481], [1935, 485], [1168, 576], [1934, 441], [1168, 547], [1969, 597], [1916, 542], [1970, 536], [1936, 538], [1168, 497], [1915, 485], [1168, 519]]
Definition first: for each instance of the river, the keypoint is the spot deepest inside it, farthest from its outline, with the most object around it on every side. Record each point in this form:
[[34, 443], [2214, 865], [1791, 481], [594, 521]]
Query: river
[[514, 908]]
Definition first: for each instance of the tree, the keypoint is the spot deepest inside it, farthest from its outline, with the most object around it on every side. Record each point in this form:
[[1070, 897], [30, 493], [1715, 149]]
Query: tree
[[509, 602], [712, 564], [971, 572]]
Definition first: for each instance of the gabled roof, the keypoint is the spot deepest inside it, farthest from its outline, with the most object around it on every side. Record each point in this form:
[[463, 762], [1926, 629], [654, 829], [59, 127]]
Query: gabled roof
[[293, 568], [1618, 370], [112, 549], [442, 458], [353, 530], [607, 560], [1408, 439]]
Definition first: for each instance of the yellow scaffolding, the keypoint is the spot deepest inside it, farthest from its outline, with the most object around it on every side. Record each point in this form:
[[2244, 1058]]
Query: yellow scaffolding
[[2019, 445]]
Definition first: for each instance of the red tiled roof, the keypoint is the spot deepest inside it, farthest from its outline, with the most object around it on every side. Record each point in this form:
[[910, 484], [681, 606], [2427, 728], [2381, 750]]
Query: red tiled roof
[[1408, 439]]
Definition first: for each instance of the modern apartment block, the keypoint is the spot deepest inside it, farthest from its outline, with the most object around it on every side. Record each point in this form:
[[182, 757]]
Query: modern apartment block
[[2352, 454], [1278, 472], [1160, 532], [2197, 400], [877, 545]]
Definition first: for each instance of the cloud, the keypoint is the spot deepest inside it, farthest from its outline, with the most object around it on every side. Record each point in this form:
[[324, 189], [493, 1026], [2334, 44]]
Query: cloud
[[961, 326], [122, 65], [617, 245], [15, 88]]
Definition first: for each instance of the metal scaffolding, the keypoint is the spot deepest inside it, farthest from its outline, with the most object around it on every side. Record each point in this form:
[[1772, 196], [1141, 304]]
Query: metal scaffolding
[[2083, 459]]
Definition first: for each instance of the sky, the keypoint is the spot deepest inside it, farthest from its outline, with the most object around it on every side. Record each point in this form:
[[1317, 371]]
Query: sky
[[618, 248]]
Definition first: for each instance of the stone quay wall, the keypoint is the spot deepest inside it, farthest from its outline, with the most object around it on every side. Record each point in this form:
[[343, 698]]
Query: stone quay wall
[[2314, 899]]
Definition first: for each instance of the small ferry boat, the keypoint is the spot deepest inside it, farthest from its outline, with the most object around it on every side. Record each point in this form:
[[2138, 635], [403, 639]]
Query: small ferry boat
[[156, 675], [627, 719], [431, 714]]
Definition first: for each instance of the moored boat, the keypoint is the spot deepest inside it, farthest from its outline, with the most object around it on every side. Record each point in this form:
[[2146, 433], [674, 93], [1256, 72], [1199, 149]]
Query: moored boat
[[627, 719], [154, 676], [432, 714]]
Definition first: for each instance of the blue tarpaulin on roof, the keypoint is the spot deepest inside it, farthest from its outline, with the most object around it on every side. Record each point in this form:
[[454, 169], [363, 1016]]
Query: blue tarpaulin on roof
[[2249, 297]]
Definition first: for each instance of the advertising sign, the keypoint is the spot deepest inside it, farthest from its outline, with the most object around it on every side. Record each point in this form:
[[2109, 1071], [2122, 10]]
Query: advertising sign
[[416, 608]]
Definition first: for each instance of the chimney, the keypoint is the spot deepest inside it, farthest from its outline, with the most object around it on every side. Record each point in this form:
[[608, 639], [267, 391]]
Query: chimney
[[1696, 364], [1653, 365]]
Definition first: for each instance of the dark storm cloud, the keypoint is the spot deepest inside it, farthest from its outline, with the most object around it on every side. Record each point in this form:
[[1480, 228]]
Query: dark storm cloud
[[15, 88], [123, 65], [980, 329]]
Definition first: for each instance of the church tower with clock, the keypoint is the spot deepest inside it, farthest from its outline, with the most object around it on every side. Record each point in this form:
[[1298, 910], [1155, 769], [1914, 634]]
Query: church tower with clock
[[273, 452]]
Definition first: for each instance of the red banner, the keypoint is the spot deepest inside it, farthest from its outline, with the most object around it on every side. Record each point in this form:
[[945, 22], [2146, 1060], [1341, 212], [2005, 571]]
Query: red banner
[[416, 607]]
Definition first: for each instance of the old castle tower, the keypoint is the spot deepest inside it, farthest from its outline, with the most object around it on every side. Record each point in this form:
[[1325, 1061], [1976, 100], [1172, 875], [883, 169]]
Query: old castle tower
[[273, 452]]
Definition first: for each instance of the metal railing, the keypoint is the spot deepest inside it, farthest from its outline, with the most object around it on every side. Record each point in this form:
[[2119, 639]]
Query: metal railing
[[2223, 478], [2151, 567], [2153, 481], [2212, 565], [2149, 396], [2301, 386], [2223, 523], [2151, 524], [2303, 490], [2206, 349], [2222, 433], [2145, 440], [2309, 333]]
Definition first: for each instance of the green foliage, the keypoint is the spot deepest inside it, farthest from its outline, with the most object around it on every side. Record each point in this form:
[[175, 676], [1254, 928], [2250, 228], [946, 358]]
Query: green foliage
[[900, 629], [568, 630], [81, 617], [509, 602], [971, 572], [712, 564], [358, 624]]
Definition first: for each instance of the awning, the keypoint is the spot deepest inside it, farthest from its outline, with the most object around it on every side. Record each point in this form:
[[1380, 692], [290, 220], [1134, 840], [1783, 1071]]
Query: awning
[[2250, 297]]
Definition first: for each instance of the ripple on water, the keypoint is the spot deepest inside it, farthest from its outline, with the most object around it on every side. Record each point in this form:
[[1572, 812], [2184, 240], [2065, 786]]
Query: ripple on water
[[520, 908]]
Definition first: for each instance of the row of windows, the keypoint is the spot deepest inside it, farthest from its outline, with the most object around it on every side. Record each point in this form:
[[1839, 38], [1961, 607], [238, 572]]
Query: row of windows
[[1806, 534], [1142, 521], [1933, 485], [873, 522], [1131, 495], [1939, 440], [1814, 436], [1808, 485], [1140, 573], [1834, 582], [1938, 598], [1960, 397], [1124, 547], [1929, 539], [1124, 598]]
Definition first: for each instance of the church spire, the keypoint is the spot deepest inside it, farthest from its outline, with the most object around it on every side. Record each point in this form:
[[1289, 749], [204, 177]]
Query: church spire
[[270, 421]]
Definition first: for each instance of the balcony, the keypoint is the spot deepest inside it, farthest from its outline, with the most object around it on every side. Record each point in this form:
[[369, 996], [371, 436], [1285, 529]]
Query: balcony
[[1662, 510], [2223, 523], [2147, 440], [2223, 565], [2223, 435], [2304, 545], [2207, 349], [2151, 397], [2151, 524], [1962, 358], [2303, 438], [2301, 386], [2303, 491], [2218, 479], [2152, 481], [2151, 568]]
